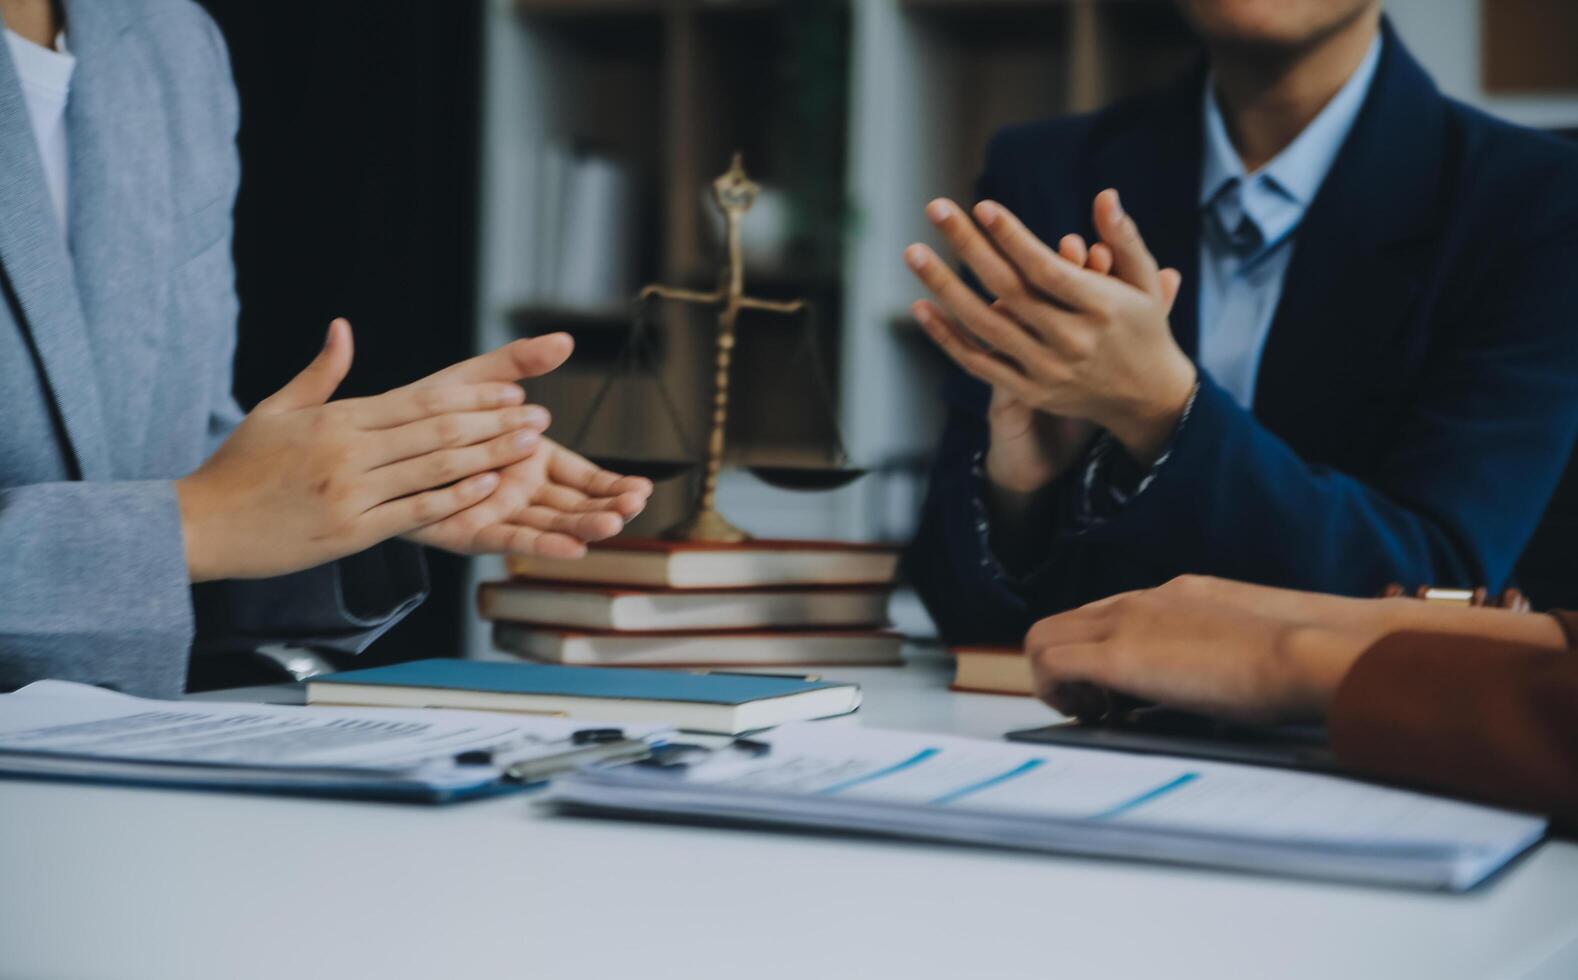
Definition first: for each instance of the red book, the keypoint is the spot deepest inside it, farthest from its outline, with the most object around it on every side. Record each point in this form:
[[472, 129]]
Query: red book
[[992, 670], [596, 607], [707, 565], [753, 648]]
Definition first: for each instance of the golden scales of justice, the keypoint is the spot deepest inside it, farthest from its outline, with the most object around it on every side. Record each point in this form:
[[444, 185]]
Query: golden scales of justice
[[734, 193]]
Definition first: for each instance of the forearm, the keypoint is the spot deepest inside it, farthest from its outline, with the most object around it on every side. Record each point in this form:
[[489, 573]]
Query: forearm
[[953, 570], [1022, 526], [1372, 619], [1234, 500], [1502, 625]]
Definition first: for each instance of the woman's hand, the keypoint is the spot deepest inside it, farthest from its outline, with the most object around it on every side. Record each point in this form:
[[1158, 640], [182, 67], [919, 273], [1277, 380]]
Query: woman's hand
[[301, 481], [1241, 651], [551, 503], [1200, 645], [1063, 339]]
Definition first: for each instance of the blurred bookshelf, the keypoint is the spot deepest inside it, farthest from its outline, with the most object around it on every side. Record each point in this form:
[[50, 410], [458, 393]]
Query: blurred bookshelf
[[852, 114]]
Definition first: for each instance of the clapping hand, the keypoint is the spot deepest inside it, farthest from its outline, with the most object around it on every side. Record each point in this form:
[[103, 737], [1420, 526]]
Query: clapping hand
[[1066, 340], [550, 503], [455, 460]]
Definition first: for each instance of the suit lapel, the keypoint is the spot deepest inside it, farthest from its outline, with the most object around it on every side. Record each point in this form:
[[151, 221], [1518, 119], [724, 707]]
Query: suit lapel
[[1356, 267], [122, 224], [40, 286], [1155, 165]]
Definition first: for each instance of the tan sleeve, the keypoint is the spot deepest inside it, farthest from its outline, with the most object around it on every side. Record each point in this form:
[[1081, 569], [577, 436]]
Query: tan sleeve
[[1487, 719]]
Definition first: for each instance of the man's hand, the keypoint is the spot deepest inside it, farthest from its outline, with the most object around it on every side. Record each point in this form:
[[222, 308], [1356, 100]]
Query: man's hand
[[301, 482], [1028, 449], [551, 503], [1064, 340]]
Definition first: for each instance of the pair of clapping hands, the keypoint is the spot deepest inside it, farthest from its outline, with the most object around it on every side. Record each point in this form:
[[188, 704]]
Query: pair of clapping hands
[[456, 460], [1076, 339]]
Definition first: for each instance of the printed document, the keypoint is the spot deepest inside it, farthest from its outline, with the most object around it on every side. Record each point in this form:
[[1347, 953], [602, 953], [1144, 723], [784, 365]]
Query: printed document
[[63, 728], [1082, 801]]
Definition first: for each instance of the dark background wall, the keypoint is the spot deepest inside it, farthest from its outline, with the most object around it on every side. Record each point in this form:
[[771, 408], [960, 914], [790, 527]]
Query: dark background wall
[[358, 198]]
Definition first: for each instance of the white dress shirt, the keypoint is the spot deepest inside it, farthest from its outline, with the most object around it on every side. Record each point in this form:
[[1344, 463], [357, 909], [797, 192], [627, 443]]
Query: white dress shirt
[[45, 75]]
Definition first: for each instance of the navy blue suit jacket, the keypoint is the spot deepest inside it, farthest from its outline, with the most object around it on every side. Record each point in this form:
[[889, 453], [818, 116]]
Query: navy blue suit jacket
[[1418, 395]]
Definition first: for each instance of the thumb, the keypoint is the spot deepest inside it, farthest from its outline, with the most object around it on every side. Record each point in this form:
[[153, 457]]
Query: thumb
[[318, 380], [1172, 281], [1131, 260]]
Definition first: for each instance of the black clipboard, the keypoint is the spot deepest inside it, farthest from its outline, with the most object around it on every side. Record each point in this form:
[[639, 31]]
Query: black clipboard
[[1162, 731]]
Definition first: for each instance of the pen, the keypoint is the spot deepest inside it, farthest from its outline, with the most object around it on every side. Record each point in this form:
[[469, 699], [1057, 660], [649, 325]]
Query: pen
[[540, 768], [750, 673]]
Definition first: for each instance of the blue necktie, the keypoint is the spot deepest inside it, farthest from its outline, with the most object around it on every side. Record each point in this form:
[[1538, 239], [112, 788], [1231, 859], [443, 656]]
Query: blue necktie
[[1234, 226]]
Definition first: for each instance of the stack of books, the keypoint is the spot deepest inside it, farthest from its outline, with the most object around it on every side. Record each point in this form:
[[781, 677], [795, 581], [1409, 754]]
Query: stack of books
[[650, 603]]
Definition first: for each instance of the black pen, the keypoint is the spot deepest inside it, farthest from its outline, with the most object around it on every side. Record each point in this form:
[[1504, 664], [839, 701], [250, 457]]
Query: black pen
[[808, 678]]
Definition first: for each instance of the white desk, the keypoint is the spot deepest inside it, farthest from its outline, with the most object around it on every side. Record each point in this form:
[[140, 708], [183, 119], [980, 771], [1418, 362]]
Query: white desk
[[101, 882]]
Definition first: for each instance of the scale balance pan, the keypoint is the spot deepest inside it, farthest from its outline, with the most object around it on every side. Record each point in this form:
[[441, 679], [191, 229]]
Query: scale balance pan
[[805, 477], [656, 470], [810, 478]]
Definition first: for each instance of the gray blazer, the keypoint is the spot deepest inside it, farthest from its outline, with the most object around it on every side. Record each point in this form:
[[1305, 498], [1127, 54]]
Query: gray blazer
[[115, 374]]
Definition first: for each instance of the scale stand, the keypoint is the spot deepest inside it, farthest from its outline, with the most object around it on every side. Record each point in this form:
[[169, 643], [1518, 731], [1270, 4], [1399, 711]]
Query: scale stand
[[734, 193]]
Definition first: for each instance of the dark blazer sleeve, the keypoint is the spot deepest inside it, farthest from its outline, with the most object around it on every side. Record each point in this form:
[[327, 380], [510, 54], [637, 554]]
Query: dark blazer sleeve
[[1452, 497], [949, 562], [1482, 718]]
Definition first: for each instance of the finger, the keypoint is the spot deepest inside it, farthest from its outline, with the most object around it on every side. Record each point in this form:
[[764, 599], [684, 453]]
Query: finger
[[1072, 248], [404, 405], [513, 539], [1087, 702], [1132, 261], [570, 501], [445, 466], [519, 359], [452, 431], [1067, 664], [994, 271], [318, 380], [968, 355], [980, 320], [593, 526], [1043, 268], [1172, 281], [407, 514], [1087, 624], [1100, 261], [576, 471]]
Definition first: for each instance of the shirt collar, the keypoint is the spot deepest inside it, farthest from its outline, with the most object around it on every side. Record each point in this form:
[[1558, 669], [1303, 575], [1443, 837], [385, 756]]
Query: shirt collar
[[1303, 164]]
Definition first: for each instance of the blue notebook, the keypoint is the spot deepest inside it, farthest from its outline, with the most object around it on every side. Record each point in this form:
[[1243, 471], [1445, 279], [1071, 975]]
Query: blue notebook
[[723, 703]]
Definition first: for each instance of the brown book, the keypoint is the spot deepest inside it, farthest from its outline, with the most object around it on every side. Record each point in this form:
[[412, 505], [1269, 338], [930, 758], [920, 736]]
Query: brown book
[[597, 607], [707, 565], [992, 670], [748, 648]]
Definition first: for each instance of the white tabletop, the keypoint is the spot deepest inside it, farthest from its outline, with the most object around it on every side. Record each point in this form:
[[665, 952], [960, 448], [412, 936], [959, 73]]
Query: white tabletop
[[128, 883]]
